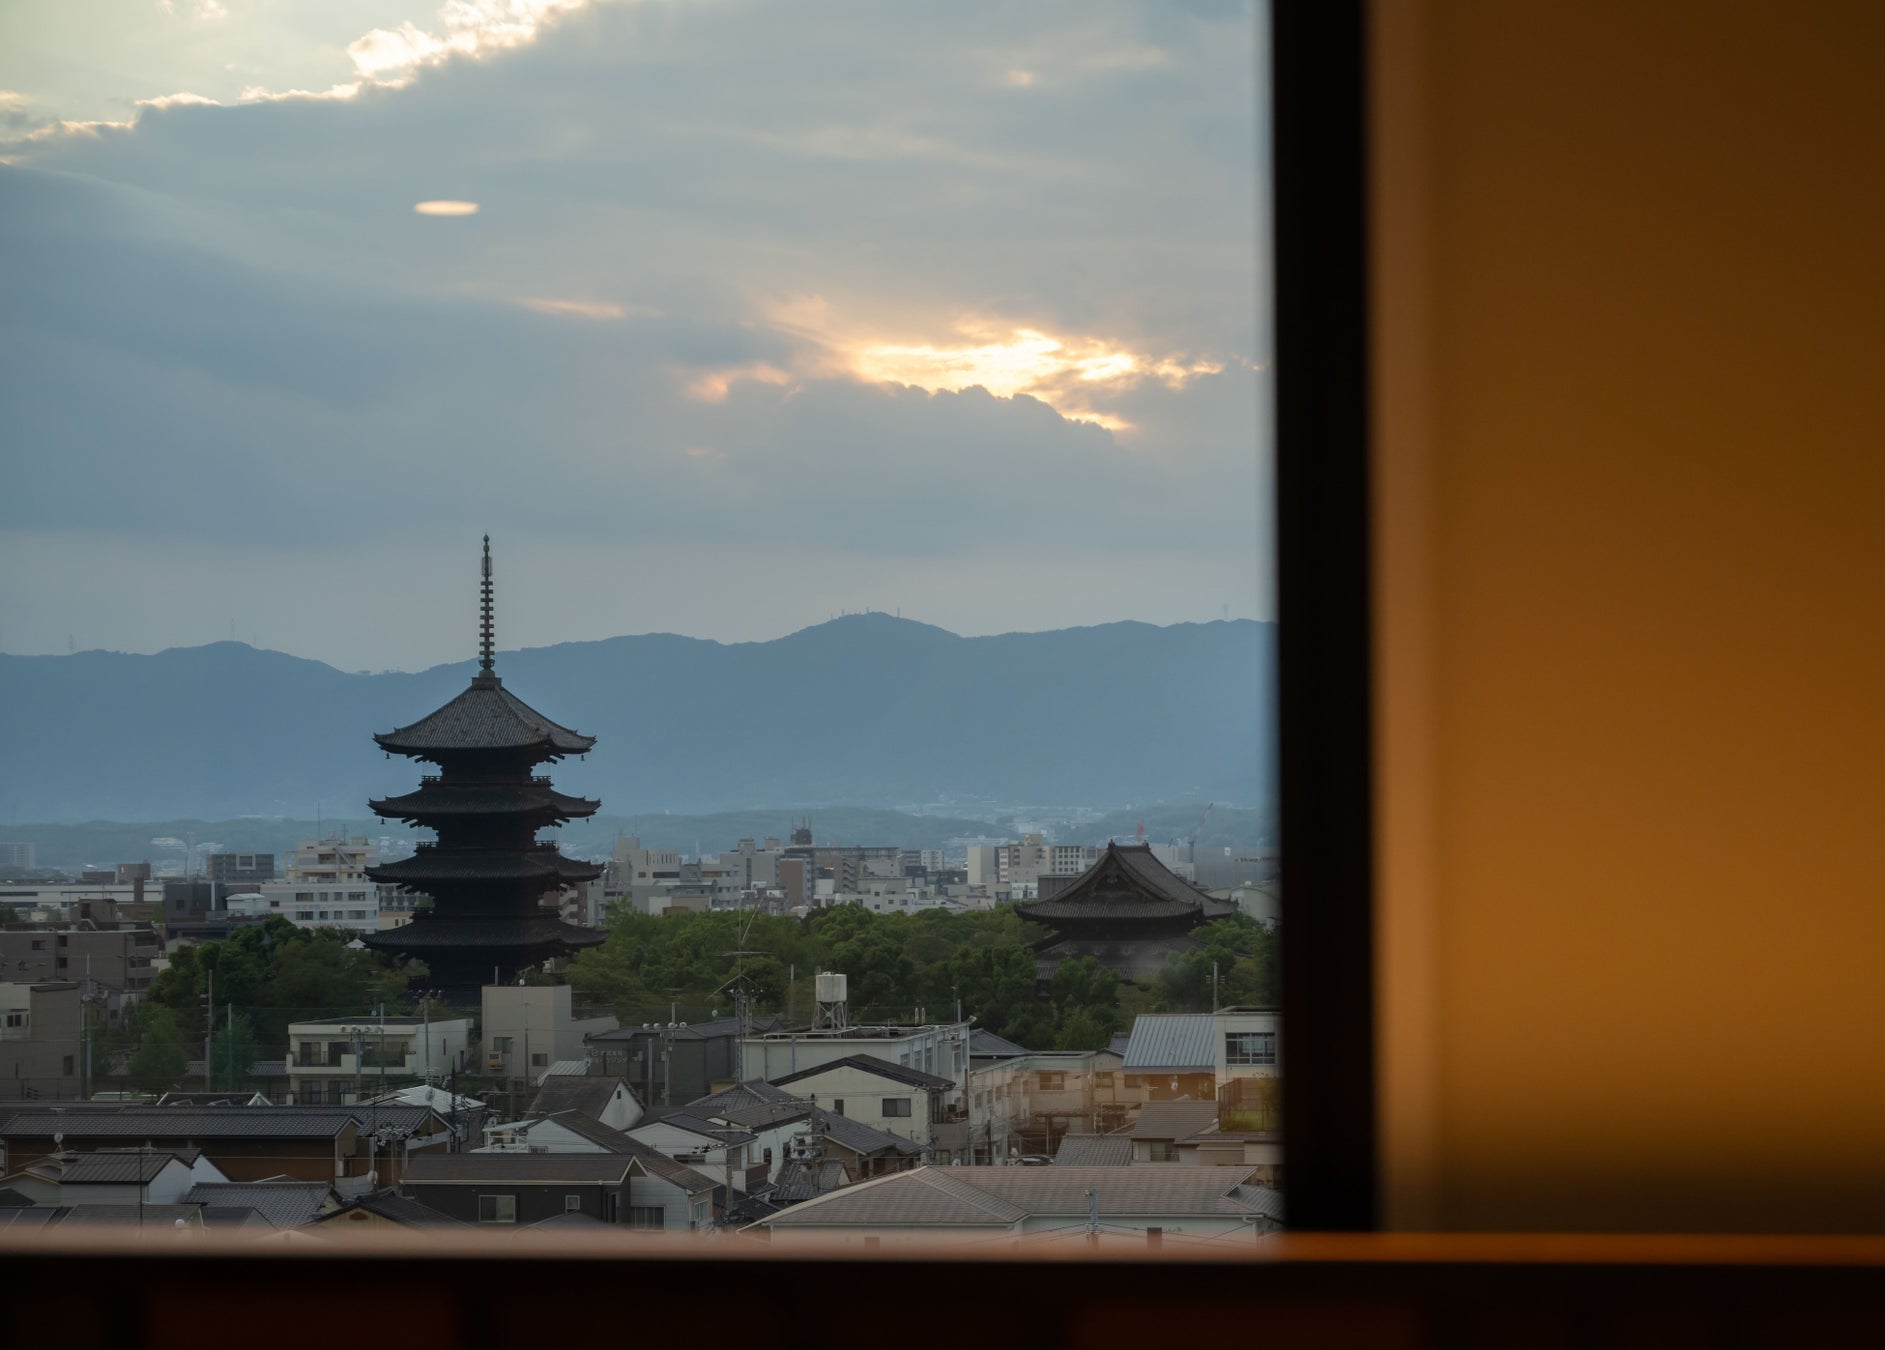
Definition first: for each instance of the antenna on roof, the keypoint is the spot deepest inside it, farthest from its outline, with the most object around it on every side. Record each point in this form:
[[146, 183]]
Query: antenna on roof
[[485, 622]]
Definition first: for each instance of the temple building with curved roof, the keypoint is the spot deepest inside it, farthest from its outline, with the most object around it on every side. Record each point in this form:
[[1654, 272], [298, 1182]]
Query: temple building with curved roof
[[1128, 911], [487, 872]]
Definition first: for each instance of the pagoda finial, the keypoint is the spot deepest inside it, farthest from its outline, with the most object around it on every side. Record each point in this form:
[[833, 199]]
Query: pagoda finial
[[485, 624]]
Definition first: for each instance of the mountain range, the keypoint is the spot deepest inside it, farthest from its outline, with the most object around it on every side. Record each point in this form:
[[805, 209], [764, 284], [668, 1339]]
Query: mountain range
[[865, 709]]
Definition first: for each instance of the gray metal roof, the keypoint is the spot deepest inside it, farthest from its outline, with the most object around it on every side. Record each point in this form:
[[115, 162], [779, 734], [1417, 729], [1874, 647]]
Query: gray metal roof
[[285, 1204], [1179, 1042], [752, 1092], [586, 1127], [396, 1207], [1002, 1196], [1175, 1120], [710, 1131], [1094, 1150], [134, 1216]]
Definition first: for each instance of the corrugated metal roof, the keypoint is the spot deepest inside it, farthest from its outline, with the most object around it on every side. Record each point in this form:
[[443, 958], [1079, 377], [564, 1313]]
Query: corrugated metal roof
[[1178, 1042], [532, 1169]]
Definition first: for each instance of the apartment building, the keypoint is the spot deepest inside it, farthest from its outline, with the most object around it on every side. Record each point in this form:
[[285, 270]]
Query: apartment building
[[338, 1061]]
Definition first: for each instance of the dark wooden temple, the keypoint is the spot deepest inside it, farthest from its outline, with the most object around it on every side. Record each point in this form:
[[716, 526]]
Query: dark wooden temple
[[487, 873], [1128, 911]]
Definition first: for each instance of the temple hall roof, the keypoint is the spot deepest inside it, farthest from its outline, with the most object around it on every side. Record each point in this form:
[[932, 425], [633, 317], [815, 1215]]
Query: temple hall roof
[[1126, 883], [429, 934], [433, 864]]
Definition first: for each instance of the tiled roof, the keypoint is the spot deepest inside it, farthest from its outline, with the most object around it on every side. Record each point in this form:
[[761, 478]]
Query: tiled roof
[[479, 864], [992, 1196], [804, 1180], [708, 1130], [1127, 882], [589, 1128], [117, 1167], [398, 1208], [590, 1096], [680, 1174], [173, 1122], [1094, 1150], [531, 1169], [864, 1139], [10, 1198], [933, 1197], [449, 800], [752, 1092], [870, 1064], [1263, 1199], [285, 1204], [1175, 1120], [427, 933], [1172, 1041], [987, 1045], [486, 716], [29, 1216], [142, 1216]]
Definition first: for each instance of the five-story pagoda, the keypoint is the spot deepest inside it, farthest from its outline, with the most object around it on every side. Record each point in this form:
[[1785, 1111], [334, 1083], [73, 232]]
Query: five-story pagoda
[[487, 874]]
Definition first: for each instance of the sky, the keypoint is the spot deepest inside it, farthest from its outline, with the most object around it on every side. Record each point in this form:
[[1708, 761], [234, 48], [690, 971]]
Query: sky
[[721, 317]]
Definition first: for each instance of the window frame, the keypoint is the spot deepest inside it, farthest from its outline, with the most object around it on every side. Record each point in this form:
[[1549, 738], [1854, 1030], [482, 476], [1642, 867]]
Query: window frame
[[1319, 162], [497, 1203]]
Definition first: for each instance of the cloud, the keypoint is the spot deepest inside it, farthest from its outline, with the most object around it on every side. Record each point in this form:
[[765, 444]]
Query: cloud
[[1036, 333]]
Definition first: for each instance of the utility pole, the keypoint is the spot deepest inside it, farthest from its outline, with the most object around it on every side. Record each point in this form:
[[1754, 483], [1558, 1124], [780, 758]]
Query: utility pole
[[230, 1040], [209, 1034], [1092, 1218]]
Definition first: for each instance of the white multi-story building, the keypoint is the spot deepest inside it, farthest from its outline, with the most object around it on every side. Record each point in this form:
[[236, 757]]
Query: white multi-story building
[[332, 861], [530, 1027], [349, 1059], [354, 905]]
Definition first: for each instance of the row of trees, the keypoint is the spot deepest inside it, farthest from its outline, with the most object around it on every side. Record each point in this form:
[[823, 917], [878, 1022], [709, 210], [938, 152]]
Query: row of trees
[[270, 974], [899, 963]]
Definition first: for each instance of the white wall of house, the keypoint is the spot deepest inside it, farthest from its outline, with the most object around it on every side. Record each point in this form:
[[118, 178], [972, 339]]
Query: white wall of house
[[870, 1099], [681, 1212]]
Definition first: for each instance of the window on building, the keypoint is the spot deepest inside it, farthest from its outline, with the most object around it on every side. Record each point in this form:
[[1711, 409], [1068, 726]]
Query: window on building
[[1053, 1080], [501, 1044], [1160, 1150], [896, 1106], [837, 1106], [538, 1059], [69, 1070], [1102, 1078], [304, 897], [1250, 1047], [572, 1203], [497, 1209], [310, 1093], [647, 1216]]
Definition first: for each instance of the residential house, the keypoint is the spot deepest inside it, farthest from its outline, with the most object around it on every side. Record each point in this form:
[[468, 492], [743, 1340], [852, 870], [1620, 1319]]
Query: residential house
[[564, 1132], [605, 1099], [638, 1190], [379, 1211], [721, 1150], [939, 1048], [124, 1176], [246, 1143], [1174, 1056], [893, 1097], [989, 1207]]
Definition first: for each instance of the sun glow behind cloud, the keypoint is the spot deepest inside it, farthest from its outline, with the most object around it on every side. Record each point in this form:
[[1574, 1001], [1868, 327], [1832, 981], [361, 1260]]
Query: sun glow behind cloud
[[1070, 373], [444, 208]]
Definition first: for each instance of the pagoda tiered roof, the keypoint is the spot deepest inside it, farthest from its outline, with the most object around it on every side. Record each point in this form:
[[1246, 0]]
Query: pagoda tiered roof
[[432, 932], [1127, 883], [487, 716], [437, 799], [431, 864]]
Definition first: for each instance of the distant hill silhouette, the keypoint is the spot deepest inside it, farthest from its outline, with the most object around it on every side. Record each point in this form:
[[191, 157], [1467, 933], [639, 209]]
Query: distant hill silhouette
[[864, 709]]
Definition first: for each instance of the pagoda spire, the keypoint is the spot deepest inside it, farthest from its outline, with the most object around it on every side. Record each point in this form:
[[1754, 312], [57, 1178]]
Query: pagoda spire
[[486, 623]]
